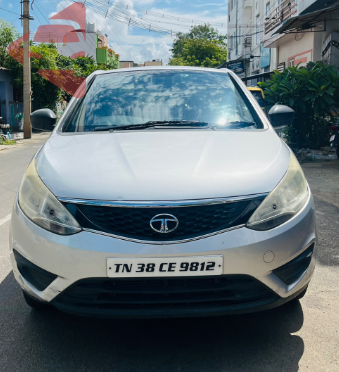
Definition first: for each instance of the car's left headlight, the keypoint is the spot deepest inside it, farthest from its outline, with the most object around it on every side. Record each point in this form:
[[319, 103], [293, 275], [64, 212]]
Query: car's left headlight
[[286, 200], [42, 207]]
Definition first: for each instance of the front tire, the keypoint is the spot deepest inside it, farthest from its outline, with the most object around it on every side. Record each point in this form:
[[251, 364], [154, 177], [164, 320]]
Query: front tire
[[301, 294], [33, 303]]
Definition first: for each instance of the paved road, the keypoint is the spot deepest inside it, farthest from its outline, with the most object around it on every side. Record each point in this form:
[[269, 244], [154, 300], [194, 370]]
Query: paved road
[[299, 336]]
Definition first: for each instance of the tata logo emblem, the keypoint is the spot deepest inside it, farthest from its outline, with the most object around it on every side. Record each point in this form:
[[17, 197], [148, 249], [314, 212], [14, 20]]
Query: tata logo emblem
[[164, 223]]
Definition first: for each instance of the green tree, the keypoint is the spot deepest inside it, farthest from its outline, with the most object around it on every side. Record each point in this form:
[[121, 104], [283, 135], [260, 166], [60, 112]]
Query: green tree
[[201, 32], [45, 93], [201, 46], [313, 93], [8, 34]]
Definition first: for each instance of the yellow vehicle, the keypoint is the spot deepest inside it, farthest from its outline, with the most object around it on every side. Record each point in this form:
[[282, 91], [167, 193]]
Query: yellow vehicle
[[258, 95]]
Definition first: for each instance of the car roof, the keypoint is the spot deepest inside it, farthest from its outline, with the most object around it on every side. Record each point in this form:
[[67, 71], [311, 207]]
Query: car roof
[[173, 68]]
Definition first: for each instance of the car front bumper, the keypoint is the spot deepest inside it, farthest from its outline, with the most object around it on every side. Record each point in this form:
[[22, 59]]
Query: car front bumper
[[247, 253]]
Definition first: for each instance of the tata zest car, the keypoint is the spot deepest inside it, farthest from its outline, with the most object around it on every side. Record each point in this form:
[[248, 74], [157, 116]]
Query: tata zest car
[[163, 192]]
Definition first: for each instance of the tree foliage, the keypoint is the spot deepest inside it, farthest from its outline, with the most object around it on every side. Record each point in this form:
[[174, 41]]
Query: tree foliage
[[45, 94], [201, 46], [8, 34], [313, 93]]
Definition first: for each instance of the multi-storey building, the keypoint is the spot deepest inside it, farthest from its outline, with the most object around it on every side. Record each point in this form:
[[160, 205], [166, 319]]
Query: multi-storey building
[[302, 31], [246, 35], [273, 34], [91, 43], [127, 64]]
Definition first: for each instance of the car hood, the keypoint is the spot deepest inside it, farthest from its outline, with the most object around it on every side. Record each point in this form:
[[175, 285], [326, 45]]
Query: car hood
[[162, 164]]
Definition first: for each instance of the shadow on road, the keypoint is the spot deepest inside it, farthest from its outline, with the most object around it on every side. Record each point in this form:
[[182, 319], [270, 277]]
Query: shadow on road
[[53, 341], [328, 225], [323, 178]]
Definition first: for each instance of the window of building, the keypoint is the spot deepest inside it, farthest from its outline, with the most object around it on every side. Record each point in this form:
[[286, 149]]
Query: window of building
[[268, 8], [257, 29], [291, 62]]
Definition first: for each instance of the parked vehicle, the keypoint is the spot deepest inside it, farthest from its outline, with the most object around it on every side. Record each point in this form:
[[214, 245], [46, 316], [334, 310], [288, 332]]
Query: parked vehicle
[[334, 139], [259, 95], [163, 192]]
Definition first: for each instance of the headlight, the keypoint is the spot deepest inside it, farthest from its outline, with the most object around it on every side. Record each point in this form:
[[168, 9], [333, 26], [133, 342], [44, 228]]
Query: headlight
[[289, 196], [42, 207]]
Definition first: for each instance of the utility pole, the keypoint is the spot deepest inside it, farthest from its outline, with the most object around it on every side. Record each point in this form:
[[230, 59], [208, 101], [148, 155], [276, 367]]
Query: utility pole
[[27, 72]]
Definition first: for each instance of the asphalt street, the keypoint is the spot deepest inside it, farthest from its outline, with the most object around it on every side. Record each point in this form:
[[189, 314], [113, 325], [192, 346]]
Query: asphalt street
[[299, 336]]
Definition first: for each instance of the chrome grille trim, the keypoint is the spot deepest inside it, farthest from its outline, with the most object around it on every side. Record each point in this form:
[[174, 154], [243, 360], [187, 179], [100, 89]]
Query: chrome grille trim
[[161, 203], [155, 242]]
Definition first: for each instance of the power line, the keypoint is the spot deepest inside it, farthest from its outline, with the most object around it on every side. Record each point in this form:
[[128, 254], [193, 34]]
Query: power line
[[120, 13], [47, 20], [10, 11], [161, 15]]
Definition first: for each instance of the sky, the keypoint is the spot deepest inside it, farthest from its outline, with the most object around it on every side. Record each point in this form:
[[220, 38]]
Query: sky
[[130, 42]]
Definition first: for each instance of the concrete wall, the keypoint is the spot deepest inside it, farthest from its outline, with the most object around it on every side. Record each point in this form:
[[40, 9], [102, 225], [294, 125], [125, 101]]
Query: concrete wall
[[6, 95], [103, 42], [301, 51], [88, 46], [317, 46], [126, 64], [153, 63], [309, 48]]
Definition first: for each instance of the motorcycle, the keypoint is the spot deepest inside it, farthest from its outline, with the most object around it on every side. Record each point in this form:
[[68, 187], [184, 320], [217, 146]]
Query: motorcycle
[[334, 139]]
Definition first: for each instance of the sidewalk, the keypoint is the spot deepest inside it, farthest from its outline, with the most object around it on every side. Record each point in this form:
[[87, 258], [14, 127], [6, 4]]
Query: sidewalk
[[36, 137]]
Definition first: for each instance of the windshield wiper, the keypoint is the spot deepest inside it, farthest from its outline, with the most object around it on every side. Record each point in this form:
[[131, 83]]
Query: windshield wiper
[[156, 123]]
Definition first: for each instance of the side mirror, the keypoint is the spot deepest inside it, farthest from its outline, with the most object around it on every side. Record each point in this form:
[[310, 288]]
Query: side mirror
[[43, 119], [281, 116]]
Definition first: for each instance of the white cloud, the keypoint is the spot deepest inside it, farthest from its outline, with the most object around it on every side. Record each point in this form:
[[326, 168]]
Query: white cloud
[[141, 46], [10, 5]]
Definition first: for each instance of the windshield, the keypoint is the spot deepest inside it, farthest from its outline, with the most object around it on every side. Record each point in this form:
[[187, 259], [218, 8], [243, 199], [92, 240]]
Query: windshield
[[188, 99]]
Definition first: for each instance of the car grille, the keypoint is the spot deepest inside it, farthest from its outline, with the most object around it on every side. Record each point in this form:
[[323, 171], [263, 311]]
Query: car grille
[[194, 221], [165, 295]]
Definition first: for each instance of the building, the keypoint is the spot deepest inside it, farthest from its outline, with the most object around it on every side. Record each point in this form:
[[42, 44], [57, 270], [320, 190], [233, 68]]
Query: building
[[246, 53], [274, 34], [128, 64], [310, 33], [6, 95], [154, 62], [94, 45]]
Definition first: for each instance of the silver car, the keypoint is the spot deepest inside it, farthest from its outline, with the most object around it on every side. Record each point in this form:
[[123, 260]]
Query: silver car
[[163, 192]]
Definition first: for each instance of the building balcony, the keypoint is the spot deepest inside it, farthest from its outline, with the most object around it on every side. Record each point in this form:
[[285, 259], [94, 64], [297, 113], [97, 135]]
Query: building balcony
[[248, 4], [282, 13]]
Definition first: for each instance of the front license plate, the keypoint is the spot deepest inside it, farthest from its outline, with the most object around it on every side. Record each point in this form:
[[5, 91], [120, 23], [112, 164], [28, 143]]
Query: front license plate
[[166, 266]]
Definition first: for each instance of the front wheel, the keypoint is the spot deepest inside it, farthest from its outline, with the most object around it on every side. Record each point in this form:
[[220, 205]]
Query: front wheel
[[35, 304], [301, 294]]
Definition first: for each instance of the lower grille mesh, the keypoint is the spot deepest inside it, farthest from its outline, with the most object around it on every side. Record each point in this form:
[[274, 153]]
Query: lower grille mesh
[[166, 294]]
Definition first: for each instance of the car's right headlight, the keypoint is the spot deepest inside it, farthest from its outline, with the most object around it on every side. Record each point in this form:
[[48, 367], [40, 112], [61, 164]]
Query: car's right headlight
[[42, 207], [286, 200]]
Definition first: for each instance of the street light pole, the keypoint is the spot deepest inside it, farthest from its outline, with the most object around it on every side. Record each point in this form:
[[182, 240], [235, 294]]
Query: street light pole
[[27, 72]]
